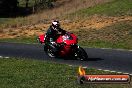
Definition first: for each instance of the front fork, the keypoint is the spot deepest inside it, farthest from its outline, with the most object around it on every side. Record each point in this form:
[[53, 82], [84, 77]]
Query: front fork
[[75, 49]]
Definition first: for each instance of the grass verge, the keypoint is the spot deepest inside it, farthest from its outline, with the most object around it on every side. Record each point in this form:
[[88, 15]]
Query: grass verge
[[27, 73], [21, 40], [114, 8]]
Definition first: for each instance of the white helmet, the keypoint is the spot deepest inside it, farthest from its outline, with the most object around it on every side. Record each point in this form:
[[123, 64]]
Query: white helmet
[[55, 24]]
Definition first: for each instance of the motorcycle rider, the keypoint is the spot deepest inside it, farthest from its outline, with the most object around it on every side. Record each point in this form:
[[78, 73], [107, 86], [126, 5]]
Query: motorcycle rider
[[52, 35]]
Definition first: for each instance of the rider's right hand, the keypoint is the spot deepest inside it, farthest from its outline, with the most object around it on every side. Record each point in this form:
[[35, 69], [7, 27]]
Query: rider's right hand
[[54, 43]]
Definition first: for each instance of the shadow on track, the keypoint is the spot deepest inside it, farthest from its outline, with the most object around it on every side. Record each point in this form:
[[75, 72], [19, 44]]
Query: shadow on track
[[89, 59], [95, 59]]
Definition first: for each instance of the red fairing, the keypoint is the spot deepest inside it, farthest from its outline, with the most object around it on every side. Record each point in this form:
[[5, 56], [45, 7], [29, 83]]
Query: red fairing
[[65, 51], [41, 38], [60, 39], [68, 41]]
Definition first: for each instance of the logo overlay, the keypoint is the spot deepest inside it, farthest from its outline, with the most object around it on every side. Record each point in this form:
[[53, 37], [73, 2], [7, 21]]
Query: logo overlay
[[83, 78]]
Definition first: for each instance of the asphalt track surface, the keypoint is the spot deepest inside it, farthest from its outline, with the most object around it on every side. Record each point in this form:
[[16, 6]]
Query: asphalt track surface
[[117, 60]]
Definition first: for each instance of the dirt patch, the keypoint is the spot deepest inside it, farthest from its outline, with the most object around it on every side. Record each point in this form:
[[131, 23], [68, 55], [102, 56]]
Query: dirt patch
[[93, 22], [97, 22]]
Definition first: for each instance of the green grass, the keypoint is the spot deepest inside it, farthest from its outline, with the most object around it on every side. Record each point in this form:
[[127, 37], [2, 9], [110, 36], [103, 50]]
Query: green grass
[[27, 73], [114, 8], [31, 40]]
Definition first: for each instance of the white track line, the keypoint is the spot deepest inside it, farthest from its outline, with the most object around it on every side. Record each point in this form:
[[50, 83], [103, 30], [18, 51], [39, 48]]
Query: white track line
[[70, 65], [119, 72], [115, 72], [85, 67], [126, 73], [6, 57], [106, 70], [130, 74], [99, 69], [112, 71]]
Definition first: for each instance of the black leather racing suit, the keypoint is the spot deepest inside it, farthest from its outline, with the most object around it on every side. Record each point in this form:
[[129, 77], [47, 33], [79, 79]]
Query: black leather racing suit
[[51, 36]]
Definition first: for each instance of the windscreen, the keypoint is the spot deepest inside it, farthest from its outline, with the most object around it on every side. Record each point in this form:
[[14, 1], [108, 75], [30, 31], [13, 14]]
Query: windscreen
[[67, 37]]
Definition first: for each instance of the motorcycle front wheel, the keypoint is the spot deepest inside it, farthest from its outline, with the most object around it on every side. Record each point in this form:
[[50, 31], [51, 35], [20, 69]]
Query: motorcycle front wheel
[[50, 53], [80, 54]]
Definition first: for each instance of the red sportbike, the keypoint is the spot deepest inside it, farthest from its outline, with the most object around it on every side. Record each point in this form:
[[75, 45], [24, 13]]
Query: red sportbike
[[68, 47]]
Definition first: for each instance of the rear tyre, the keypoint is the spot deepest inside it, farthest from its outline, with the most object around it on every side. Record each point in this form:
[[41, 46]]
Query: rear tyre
[[80, 54]]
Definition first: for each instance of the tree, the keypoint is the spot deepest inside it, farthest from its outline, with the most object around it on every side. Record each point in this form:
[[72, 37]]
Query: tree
[[7, 6], [43, 4], [27, 3]]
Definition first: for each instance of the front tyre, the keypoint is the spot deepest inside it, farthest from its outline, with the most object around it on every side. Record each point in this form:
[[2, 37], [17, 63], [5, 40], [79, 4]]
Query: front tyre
[[50, 53], [80, 54], [45, 48]]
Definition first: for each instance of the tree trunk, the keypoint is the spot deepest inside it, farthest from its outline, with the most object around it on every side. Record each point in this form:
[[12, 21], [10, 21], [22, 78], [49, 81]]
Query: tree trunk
[[27, 3]]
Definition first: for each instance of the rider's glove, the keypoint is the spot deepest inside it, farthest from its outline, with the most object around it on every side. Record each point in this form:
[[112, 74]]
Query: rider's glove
[[54, 43]]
